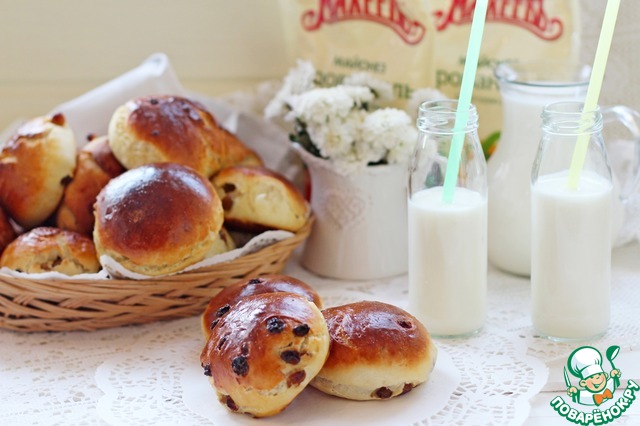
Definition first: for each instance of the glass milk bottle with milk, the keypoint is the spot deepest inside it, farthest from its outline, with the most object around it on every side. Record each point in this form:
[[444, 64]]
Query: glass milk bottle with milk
[[571, 227], [447, 240]]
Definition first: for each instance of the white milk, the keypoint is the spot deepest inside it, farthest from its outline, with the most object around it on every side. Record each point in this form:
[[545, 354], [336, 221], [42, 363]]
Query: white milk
[[571, 256], [509, 177], [448, 261]]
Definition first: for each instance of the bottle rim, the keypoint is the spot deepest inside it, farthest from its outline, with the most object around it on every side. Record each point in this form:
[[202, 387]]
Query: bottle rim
[[569, 117], [439, 116]]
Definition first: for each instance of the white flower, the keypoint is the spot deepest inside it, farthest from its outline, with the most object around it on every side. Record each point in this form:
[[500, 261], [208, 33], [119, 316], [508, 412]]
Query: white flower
[[347, 124], [332, 117], [383, 90], [317, 105], [299, 80], [336, 137], [389, 134]]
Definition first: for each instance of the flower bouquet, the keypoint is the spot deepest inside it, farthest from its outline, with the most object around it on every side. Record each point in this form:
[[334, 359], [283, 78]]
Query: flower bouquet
[[356, 146]]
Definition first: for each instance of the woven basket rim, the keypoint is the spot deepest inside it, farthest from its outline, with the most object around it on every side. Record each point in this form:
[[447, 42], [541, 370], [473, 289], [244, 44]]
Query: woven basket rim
[[28, 304]]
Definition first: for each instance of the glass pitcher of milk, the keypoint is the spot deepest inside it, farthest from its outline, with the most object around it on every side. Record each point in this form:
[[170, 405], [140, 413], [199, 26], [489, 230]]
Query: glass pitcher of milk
[[447, 240], [571, 227], [525, 89]]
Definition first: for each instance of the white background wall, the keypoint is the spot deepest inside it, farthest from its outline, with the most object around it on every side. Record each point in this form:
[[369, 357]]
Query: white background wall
[[51, 51]]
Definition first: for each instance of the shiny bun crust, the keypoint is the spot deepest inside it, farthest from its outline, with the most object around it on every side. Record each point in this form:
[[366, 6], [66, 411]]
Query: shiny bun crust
[[157, 219], [256, 199], [35, 165], [47, 249], [264, 350], [378, 351], [272, 283], [166, 129], [96, 166]]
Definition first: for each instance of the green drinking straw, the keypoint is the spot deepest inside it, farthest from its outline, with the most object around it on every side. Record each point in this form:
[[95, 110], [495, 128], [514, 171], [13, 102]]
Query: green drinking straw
[[593, 92], [464, 101]]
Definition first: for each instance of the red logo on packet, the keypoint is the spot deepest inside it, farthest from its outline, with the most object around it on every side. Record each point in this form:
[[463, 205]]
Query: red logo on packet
[[528, 14], [384, 12]]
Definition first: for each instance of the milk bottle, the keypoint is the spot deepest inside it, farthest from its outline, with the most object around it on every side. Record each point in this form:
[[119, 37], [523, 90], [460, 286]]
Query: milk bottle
[[571, 228], [447, 239]]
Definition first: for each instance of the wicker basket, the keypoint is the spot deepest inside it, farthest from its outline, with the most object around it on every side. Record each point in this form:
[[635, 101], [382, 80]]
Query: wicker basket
[[59, 305]]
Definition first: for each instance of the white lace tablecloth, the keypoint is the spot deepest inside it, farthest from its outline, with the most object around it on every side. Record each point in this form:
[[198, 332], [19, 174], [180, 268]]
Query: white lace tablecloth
[[144, 375]]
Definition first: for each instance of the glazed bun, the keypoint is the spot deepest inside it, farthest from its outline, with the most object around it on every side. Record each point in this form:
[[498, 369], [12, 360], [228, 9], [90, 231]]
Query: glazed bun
[[35, 165], [47, 249], [272, 283], [156, 129], [96, 166], [157, 219], [378, 351], [256, 199], [7, 232], [264, 350]]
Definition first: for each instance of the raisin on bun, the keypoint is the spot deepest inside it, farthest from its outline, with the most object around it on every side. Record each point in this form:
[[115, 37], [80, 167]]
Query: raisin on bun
[[157, 219], [378, 351]]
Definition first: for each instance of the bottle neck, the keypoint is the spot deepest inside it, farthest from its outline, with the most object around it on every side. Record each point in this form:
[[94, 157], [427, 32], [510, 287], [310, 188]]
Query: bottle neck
[[568, 118], [443, 117]]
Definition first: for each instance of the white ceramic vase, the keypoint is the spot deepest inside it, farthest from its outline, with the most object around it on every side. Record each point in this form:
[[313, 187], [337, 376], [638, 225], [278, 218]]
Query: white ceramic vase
[[360, 232]]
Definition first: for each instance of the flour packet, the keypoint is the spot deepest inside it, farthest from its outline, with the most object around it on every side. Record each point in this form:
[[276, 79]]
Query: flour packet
[[515, 31], [416, 44]]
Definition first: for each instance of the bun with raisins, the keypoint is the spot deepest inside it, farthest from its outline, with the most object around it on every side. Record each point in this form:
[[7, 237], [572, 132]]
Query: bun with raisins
[[163, 128], [256, 199], [264, 350], [46, 249], [378, 351]]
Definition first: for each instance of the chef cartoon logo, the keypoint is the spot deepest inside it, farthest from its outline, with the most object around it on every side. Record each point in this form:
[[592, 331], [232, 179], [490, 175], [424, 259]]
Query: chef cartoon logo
[[597, 386], [593, 386]]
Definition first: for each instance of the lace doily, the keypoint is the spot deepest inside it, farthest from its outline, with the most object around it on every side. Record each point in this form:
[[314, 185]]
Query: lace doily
[[48, 378]]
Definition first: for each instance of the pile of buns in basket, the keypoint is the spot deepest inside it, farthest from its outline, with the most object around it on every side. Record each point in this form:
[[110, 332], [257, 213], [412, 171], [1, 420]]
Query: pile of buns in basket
[[158, 193], [167, 187]]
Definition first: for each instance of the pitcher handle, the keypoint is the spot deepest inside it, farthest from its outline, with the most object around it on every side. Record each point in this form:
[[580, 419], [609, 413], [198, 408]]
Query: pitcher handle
[[630, 119]]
